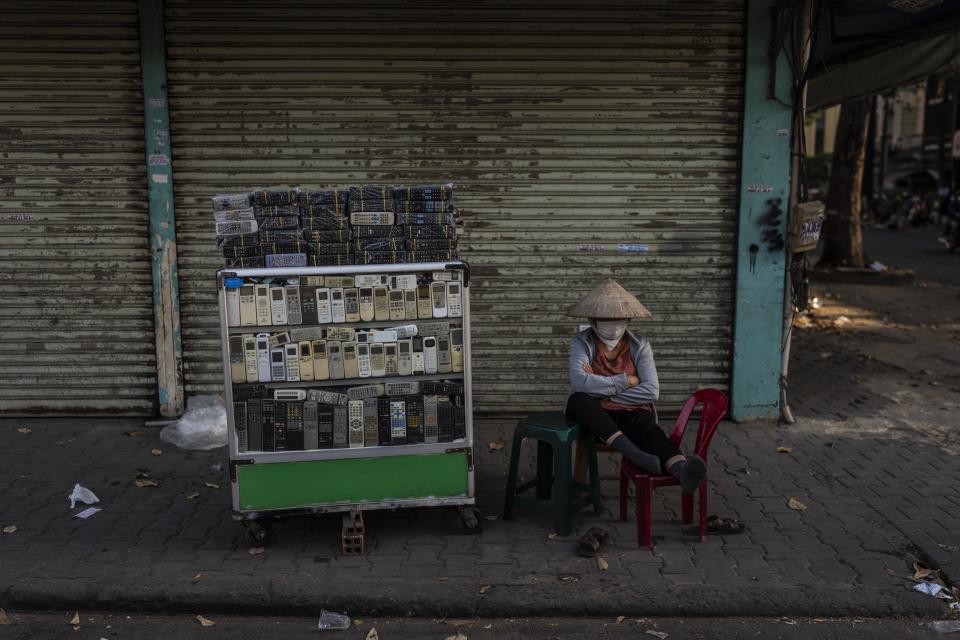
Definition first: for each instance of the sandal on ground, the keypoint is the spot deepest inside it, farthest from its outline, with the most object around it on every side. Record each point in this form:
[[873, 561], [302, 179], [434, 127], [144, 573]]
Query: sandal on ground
[[590, 543], [720, 527]]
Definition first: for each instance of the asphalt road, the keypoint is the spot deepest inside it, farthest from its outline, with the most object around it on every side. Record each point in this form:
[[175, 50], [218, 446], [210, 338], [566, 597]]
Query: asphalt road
[[145, 627], [915, 249]]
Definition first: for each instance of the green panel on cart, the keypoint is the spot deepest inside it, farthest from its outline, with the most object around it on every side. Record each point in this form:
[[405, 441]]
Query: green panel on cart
[[283, 485]]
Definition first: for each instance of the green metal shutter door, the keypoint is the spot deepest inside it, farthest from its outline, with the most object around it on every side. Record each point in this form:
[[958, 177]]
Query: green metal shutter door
[[562, 124], [75, 295]]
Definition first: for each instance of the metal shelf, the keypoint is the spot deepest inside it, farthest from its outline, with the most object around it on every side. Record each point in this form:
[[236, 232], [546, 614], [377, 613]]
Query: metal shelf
[[373, 324], [354, 381], [421, 448]]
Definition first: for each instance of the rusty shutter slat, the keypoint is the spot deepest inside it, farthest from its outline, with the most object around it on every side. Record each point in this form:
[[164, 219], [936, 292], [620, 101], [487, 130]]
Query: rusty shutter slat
[[76, 293], [562, 123]]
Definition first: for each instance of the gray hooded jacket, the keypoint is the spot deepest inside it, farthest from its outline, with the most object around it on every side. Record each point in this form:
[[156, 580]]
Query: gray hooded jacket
[[582, 350]]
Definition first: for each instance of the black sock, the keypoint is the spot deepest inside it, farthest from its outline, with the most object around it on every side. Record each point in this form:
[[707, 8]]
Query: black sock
[[689, 472], [644, 460]]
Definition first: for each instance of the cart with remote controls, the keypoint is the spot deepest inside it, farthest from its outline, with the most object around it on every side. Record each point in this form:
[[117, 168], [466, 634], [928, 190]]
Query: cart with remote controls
[[349, 389]]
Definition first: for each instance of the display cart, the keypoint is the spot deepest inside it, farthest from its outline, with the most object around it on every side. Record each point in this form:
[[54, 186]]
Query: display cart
[[315, 439]]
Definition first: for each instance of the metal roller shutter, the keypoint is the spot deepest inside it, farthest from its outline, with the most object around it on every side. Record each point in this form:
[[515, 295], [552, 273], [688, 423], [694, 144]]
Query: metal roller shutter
[[76, 292], [563, 124]]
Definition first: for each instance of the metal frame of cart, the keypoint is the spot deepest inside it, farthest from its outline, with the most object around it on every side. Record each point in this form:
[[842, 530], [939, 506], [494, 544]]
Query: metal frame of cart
[[304, 476]]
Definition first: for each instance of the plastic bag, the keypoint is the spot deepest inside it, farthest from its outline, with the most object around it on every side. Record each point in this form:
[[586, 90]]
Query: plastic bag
[[82, 494], [203, 425], [332, 620]]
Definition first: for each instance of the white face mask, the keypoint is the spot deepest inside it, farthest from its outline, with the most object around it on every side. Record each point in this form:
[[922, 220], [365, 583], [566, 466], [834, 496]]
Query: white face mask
[[609, 331]]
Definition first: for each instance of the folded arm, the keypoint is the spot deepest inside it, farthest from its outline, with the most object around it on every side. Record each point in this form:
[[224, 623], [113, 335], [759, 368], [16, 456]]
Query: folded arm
[[649, 388], [582, 379]]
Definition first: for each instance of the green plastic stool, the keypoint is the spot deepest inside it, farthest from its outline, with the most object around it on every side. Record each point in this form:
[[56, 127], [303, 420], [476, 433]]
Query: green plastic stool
[[555, 434]]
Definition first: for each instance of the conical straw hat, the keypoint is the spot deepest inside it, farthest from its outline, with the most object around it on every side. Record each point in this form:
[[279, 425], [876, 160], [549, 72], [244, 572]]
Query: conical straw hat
[[609, 300]]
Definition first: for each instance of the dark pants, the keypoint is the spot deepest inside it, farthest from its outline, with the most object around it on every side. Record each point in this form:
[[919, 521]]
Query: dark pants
[[639, 426]]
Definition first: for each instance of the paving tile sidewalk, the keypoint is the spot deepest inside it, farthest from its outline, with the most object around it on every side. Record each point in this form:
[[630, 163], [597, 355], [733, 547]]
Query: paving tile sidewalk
[[862, 470], [152, 548]]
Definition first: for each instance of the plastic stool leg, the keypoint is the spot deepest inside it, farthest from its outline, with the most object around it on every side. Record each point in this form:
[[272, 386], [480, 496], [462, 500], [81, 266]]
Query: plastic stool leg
[[562, 489], [511, 490], [644, 498], [545, 455], [624, 489], [687, 508], [703, 511], [594, 475]]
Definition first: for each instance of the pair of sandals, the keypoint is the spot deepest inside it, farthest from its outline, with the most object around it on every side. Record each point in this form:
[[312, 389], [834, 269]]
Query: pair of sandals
[[719, 527], [590, 544]]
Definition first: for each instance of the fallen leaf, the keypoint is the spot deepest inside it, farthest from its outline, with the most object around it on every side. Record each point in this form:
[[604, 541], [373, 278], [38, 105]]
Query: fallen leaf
[[24, 430], [657, 634], [205, 622], [484, 589], [156, 452], [256, 551], [602, 563], [357, 622], [567, 578], [10, 529], [491, 517], [192, 496], [784, 449], [551, 536], [144, 482], [211, 485], [620, 619], [495, 446], [796, 505], [133, 434], [459, 636], [4, 618], [372, 634], [75, 620], [921, 572]]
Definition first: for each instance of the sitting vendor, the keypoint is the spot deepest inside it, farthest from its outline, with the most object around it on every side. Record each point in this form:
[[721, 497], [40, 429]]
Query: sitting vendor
[[613, 385]]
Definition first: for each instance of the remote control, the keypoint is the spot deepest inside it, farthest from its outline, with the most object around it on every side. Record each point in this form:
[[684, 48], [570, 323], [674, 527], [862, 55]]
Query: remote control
[[321, 367], [324, 313], [429, 355], [363, 360], [355, 434]]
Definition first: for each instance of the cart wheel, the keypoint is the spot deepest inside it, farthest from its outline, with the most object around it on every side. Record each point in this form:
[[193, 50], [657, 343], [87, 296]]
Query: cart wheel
[[471, 520], [259, 532]]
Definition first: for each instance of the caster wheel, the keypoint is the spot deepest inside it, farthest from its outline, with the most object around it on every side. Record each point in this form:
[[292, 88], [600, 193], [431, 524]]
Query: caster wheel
[[471, 520]]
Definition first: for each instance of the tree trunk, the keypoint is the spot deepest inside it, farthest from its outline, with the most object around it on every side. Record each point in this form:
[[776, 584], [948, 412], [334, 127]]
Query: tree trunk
[[843, 242]]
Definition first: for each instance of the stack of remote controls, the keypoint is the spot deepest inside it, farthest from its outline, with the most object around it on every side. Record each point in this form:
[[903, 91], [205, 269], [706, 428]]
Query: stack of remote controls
[[318, 354], [376, 415], [370, 224]]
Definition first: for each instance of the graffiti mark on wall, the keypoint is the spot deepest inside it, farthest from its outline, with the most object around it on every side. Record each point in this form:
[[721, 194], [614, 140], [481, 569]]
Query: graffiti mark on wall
[[770, 222]]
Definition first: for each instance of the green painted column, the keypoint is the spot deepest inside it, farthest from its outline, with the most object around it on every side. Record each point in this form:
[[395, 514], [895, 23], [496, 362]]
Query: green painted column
[[163, 232], [761, 252]]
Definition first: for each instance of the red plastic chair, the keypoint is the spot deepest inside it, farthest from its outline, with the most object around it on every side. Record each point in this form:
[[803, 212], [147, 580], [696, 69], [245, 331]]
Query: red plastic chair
[[713, 409]]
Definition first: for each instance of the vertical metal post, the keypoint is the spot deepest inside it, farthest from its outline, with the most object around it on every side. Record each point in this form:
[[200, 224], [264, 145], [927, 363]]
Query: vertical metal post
[[799, 117], [163, 233], [764, 203]]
